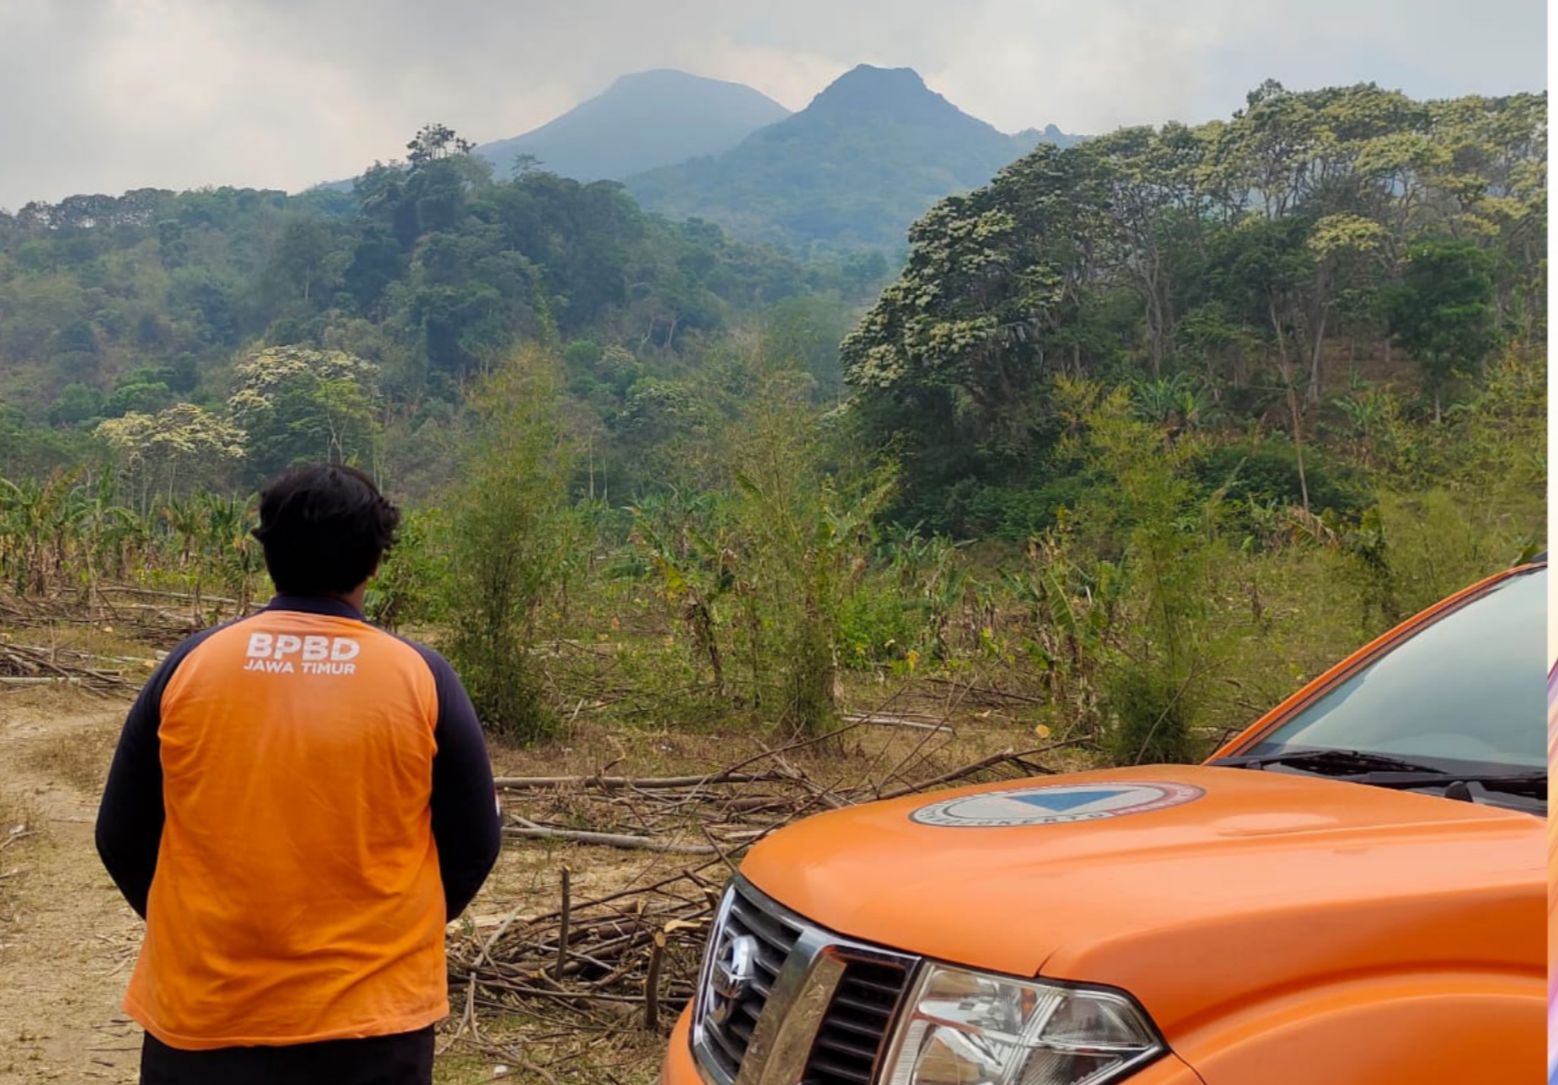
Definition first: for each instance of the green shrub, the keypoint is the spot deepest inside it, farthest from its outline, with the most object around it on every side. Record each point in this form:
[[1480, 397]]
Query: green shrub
[[1266, 471], [508, 533], [410, 588], [1154, 717], [878, 623]]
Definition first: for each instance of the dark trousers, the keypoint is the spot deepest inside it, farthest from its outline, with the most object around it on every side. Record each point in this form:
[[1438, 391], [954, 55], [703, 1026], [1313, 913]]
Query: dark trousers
[[403, 1059]]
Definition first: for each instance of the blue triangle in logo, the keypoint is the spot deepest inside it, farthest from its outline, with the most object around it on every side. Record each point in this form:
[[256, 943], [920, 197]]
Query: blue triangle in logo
[[1065, 800]]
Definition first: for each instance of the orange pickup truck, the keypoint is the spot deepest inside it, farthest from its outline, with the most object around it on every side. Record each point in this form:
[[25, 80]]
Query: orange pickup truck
[[1351, 891]]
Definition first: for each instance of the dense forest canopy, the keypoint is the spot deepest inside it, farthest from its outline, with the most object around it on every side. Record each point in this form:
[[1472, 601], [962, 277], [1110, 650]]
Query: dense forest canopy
[[1250, 268], [428, 271], [1239, 269]]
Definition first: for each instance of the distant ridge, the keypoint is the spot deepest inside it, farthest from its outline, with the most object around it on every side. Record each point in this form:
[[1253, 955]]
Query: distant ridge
[[642, 121], [870, 154], [1048, 134]]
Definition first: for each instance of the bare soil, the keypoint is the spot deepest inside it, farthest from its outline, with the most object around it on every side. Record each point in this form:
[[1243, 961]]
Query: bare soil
[[68, 941]]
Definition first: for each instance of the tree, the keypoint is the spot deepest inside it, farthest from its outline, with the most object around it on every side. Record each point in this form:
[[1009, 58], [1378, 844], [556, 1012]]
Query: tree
[[433, 142], [178, 450], [1145, 513], [77, 403], [507, 538], [797, 533], [295, 404], [1264, 267], [524, 165], [1346, 250], [1442, 314], [303, 256]]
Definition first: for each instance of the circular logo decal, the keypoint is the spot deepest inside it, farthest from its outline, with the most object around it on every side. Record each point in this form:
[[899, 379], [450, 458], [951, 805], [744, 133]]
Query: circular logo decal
[[1055, 804]]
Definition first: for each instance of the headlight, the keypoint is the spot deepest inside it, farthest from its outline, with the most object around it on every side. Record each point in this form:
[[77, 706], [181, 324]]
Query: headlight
[[972, 1028]]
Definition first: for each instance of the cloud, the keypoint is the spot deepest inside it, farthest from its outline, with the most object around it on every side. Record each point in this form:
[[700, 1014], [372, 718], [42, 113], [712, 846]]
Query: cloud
[[105, 95]]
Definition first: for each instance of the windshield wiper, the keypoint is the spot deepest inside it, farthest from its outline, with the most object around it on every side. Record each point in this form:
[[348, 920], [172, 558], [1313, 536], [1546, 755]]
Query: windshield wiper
[[1382, 770], [1339, 762], [1533, 784]]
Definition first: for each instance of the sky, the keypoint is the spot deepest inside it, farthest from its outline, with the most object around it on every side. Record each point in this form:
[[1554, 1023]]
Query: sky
[[108, 95]]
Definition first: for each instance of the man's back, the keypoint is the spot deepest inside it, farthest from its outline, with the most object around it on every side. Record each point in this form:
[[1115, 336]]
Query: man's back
[[297, 756], [298, 803]]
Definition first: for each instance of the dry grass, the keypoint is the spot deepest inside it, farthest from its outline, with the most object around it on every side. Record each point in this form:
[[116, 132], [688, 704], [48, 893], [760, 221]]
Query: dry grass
[[569, 1049], [101, 640], [79, 758], [18, 828]]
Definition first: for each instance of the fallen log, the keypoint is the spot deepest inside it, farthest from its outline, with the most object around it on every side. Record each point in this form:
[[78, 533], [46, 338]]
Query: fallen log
[[610, 840], [639, 783]]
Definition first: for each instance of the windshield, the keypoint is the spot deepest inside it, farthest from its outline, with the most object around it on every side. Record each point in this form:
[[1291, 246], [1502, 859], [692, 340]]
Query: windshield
[[1462, 694]]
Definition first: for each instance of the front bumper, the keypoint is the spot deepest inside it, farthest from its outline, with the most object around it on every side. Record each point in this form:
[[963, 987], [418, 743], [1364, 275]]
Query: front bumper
[[680, 1069]]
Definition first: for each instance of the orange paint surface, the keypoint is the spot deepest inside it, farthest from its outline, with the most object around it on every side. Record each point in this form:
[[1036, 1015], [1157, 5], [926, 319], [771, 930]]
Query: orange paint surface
[[1280, 928]]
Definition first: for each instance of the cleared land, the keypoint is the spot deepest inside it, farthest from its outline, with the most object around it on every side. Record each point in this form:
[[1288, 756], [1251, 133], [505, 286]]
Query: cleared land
[[67, 941]]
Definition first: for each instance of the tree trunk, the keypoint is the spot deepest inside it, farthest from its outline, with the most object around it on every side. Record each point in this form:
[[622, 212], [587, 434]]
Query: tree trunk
[[1317, 360], [1152, 339], [1293, 411]]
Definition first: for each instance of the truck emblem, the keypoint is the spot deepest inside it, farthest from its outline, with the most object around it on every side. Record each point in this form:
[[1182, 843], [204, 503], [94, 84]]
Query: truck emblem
[[735, 968], [1055, 804]]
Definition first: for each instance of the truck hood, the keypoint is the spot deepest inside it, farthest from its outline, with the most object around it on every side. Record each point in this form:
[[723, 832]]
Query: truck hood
[[1192, 887]]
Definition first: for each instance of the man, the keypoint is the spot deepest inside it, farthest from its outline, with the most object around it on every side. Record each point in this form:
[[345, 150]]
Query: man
[[298, 804]]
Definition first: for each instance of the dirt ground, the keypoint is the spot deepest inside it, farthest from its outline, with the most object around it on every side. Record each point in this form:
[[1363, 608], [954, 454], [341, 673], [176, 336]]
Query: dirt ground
[[68, 941]]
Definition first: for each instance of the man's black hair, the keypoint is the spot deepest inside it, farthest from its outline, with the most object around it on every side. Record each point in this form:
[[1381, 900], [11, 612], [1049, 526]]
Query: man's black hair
[[323, 528]]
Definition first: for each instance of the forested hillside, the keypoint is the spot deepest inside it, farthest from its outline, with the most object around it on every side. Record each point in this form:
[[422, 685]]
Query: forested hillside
[[1148, 428], [428, 272], [1281, 267]]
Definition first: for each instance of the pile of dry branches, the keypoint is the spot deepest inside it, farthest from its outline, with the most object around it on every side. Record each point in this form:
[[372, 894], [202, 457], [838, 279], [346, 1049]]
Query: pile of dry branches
[[147, 615], [633, 953], [44, 665], [140, 615]]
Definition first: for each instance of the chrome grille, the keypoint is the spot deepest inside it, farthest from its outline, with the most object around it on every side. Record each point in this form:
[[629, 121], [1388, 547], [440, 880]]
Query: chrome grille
[[728, 1022], [853, 1031], [781, 1000]]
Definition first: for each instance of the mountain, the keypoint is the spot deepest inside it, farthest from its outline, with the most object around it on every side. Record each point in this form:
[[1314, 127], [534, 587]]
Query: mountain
[[642, 121], [867, 157], [1049, 134]]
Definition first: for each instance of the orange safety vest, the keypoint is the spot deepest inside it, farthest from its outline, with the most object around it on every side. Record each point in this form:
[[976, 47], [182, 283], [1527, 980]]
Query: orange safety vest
[[297, 894]]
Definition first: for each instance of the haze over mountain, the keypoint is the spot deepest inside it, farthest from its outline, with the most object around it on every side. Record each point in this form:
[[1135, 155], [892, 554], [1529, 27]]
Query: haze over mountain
[[866, 158], [642, 121]]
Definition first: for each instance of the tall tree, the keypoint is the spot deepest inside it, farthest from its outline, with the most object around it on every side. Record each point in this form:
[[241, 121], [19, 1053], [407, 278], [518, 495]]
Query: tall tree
[[1443, 314], [294, 404]]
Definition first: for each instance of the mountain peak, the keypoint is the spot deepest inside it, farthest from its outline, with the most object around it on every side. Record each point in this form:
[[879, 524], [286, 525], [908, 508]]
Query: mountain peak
[[898, 93], [644, 120], [902, 80], [853, 169], [663, 79]]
